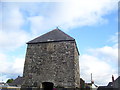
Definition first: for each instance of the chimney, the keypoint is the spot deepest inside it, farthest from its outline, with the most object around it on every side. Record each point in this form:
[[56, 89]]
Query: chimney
[[113, 78]]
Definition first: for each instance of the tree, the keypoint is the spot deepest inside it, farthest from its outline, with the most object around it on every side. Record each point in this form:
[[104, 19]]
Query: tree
[[9, 80]]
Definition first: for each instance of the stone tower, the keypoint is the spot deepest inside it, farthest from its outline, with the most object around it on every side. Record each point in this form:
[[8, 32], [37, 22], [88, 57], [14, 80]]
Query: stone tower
[[52, 57]]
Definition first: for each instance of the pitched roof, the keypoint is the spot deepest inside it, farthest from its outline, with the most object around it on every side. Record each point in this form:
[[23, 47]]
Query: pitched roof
[[17, 81], [118, 78], [110, 84], [116, 83], [52, 36]]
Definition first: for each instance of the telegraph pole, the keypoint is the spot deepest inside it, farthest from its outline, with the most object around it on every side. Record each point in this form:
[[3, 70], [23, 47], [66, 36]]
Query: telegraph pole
[[91, 77]]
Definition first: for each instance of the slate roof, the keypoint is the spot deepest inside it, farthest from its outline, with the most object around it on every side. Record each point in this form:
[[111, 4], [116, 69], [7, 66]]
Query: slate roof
[[118, 78], [116, 83], [104, 88], [52, 36], [110, 84], [17, 81]]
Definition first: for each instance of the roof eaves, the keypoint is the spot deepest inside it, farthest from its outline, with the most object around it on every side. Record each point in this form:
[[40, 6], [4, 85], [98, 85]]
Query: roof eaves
[[48, 41]]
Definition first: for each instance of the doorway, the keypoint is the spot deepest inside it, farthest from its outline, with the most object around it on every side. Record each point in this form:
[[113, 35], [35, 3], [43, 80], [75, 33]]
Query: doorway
[[47, 85]]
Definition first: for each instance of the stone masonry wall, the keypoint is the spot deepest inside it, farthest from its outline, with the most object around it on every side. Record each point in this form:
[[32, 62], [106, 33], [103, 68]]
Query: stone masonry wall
[[77, 70], [51, 62]]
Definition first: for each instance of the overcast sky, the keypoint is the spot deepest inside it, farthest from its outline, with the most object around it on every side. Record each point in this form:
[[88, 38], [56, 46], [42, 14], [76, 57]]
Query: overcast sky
[[93, 23]]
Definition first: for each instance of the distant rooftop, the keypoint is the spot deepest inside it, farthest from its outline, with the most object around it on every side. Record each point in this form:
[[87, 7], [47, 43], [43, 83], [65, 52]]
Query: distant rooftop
[[52, 36], [17, 81]]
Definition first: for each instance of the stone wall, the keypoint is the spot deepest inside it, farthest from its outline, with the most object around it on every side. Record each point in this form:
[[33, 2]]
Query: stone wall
[[55, 62], [76, 63]]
